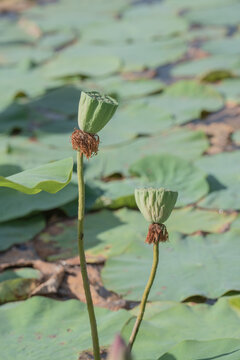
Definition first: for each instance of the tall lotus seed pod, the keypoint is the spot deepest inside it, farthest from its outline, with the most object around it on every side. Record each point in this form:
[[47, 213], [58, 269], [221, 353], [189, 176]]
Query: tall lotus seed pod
[[119, 350], [95, 111], [156, 206]]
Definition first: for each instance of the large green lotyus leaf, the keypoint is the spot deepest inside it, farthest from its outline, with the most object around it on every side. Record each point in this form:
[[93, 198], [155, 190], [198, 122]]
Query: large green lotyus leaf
[[42, 328]]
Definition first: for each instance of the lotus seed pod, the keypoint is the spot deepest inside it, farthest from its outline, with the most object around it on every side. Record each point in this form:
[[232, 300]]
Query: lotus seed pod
[[95, 111], [156, 205], [119, 350]]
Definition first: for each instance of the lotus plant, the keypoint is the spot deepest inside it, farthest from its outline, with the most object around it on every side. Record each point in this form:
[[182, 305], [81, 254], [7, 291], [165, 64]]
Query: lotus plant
[[156, 206], [94, 113]]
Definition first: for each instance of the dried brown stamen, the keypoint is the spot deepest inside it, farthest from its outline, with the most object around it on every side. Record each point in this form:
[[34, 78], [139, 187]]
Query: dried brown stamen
[[85, 143], [156, 233]]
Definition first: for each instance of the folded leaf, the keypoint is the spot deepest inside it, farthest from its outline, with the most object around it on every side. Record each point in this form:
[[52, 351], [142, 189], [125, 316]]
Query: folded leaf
[[51, 178]]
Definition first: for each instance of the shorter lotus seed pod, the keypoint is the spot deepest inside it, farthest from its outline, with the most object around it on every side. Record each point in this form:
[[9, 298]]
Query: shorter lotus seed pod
[[156, 205], [95, 111]]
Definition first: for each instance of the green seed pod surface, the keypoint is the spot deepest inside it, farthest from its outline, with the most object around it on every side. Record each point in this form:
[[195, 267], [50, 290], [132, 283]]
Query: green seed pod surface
[[95, 111], [156, 205]]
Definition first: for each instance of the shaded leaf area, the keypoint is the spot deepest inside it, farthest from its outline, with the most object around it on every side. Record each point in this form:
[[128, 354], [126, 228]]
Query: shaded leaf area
[[204, 325], [15, 204], [60, 240], [116, 232], [57, 328], [49, 112], [224, 180], [61, 101], [19, 231], [187, 267]]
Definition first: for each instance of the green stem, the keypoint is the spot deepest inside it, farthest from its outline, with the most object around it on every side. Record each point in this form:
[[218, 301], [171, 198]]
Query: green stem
[[81, 208], [145, 296]]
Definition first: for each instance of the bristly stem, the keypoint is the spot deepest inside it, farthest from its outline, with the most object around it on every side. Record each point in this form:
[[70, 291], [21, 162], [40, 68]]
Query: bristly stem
[[81, 208], [145, 296]]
